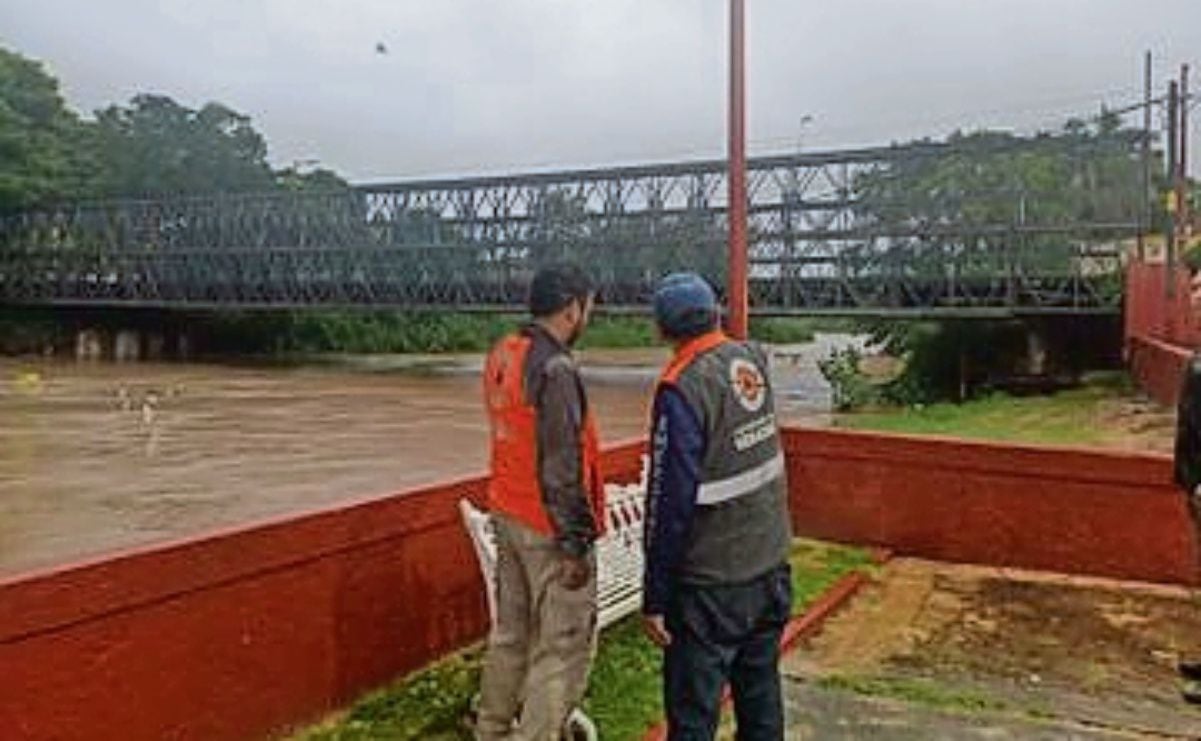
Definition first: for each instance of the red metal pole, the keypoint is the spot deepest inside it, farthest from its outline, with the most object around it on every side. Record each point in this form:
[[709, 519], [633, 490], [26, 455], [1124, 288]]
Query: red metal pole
[[737, 290], [1182, 203]]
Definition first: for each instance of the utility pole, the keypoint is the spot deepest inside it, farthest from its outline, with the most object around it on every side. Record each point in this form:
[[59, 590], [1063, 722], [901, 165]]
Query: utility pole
[[1144, 211], [736, 212], [1173, 206], [1182, 200]]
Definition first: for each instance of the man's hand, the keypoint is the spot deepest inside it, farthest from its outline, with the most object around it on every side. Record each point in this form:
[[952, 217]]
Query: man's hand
[[656, 629], [574, 572]]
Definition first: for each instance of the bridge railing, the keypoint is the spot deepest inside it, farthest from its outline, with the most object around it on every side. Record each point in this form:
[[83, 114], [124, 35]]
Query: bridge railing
[[828, 231]]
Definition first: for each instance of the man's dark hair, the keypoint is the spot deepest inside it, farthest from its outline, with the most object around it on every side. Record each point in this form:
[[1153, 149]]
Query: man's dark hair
[[556, 286]]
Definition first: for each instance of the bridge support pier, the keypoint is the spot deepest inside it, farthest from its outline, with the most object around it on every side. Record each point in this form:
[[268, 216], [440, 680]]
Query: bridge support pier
[[127, 346], [89, 345], [154, 344], [1036, 350], [121, 337]]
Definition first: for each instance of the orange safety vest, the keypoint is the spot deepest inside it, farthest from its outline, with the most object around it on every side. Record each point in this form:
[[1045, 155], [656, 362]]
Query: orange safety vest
[[688, 352], [514, 488]]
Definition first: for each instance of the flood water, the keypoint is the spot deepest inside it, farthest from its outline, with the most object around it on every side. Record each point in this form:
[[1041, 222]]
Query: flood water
[[101, 457]]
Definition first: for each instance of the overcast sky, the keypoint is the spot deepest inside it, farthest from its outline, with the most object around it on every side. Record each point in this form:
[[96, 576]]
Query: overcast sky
[[475, 86]]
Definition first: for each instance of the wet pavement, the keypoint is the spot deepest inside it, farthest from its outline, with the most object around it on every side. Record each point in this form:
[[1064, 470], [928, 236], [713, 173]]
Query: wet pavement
[[100, 457]]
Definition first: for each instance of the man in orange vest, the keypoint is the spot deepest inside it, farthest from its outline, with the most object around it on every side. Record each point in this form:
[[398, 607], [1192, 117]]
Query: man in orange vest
[[546, 495], [717, 586]]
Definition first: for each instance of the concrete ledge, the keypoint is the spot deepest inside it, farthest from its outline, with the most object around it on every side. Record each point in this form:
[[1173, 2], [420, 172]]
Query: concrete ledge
[[1070, 510], [242, 632]]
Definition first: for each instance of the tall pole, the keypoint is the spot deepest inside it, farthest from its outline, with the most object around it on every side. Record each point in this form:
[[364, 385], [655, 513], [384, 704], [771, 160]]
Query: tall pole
[[737, 289], [1182, 156], [1144, 211], [1173, 173]]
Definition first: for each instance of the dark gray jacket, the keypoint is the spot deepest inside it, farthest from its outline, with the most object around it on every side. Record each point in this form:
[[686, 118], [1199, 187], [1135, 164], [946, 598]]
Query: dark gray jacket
[[553, 387]]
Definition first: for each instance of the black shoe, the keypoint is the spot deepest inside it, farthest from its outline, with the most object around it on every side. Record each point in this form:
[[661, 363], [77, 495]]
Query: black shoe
[[1190, 669]]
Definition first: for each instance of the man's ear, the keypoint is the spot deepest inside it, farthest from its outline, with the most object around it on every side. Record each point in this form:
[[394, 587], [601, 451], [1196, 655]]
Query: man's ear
[[573, 310]]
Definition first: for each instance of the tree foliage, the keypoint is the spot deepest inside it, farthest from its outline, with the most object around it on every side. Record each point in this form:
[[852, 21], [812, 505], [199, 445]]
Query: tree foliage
[[1086, 172], [152, 146], [45, 150]]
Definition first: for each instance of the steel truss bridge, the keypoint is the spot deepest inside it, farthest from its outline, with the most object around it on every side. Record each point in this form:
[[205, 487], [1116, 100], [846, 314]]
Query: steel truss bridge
[[827, 235]]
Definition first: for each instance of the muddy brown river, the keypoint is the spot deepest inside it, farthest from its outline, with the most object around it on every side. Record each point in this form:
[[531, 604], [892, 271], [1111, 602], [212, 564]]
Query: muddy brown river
[[101, 457]]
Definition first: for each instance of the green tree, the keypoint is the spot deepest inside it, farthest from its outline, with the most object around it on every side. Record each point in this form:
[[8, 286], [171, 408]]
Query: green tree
[[46, 152], [157, 147], [320, 180], [996, 178]]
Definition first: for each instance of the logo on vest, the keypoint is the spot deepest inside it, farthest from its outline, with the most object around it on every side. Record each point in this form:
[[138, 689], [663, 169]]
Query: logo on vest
[[748, 383], [755, 432]]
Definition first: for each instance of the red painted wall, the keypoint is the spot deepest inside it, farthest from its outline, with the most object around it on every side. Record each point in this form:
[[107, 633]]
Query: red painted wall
[[247, 632], [1161, 330], [244, 632], [1071, 510], [1157, 366]]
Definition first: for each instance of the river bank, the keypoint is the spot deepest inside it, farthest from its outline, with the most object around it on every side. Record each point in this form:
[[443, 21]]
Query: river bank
[[1106, 411]]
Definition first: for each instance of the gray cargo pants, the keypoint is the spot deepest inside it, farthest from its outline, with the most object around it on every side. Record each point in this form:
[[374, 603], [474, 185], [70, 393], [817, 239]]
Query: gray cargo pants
[[539, 651]]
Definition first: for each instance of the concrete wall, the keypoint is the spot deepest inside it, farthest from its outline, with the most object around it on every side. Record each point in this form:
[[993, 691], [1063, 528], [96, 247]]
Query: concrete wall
[[1161, 330], [1077, 511], [243, 633], [1157, 367]]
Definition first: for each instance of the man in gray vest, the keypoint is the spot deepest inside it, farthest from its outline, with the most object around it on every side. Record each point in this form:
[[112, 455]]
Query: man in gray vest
[[717, 586]]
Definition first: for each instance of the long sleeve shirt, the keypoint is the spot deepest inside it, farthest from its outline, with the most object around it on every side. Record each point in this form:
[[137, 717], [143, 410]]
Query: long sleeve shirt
[[553, 386], [677, 449]]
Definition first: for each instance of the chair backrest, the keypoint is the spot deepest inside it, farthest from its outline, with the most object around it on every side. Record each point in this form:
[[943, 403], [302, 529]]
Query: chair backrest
[[619, 555]]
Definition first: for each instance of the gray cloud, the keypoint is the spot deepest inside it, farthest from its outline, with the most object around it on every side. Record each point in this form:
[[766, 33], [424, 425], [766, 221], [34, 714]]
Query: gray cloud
[[492, 85]]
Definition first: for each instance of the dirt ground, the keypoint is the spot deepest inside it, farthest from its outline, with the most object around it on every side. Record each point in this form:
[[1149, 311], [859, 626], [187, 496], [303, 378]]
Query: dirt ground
[[1136, 423], [934, 651]]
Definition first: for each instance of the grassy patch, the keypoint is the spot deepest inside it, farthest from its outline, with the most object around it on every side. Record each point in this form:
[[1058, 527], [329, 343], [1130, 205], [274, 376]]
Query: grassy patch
[[624, 695], [620, 331], [915, 691], [639, 331], [795, 330], [1068, 417], [386, 332], [429, 704]]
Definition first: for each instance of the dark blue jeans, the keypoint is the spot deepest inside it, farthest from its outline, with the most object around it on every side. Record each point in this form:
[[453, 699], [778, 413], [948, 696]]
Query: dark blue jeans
[[726, 633]]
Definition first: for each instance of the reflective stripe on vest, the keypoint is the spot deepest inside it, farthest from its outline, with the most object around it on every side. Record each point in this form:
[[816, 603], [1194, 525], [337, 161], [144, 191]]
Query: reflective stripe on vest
[[723, 490]]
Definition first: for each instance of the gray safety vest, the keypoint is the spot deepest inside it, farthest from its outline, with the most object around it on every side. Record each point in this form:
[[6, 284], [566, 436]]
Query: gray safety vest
[[741, 528]]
